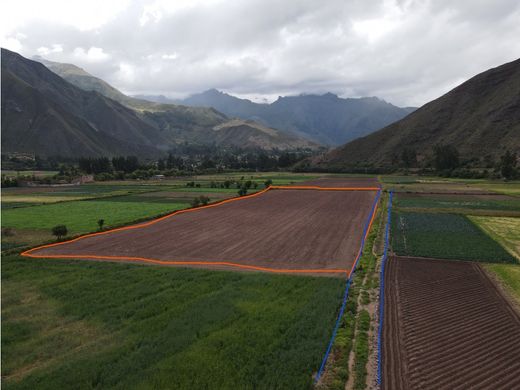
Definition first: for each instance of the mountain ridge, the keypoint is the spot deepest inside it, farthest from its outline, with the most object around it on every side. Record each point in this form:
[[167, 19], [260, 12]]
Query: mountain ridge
[[480, 117], [326, 119]]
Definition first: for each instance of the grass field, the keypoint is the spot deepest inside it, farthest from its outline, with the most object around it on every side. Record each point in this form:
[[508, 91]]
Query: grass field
[[457, 202], [509, 276], [504, 230], [82, 216], [444, 236], [86, 325]]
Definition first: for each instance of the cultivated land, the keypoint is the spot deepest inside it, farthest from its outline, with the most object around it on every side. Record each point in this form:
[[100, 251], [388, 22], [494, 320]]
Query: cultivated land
[[279, 229], [441, 235], [447, 326], [84, 325]]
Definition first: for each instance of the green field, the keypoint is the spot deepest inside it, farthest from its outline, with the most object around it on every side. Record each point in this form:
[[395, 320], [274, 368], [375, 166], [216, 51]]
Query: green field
[[504, 230], [509, 276], [82, 216], [85, 325], [456, 202], [444, 236]]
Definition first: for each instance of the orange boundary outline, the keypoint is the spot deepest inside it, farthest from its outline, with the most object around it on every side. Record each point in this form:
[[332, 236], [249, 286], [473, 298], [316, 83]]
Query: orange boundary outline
[[28, 253]]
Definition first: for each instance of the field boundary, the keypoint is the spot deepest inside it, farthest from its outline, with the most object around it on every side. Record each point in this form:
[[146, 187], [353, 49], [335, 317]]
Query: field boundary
[[29, 252], [382, 290], [366, 231]]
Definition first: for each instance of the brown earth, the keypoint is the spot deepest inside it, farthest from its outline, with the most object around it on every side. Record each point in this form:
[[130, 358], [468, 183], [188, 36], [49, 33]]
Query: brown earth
[[447, 326], [280, 229]]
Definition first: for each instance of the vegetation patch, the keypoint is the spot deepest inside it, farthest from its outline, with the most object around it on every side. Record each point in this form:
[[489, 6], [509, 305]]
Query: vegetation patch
[[160, 327], [444, 236], [82, 216], [504, 230], [509, 276], [457, 202]]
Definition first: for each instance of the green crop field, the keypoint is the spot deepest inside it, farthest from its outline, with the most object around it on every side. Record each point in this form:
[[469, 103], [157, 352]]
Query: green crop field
[[509, 276], [444, 236], [82, 216], [456, 202], [504, 230], [84, 325]]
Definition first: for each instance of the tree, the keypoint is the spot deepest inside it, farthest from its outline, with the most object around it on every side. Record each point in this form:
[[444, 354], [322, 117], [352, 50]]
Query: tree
[[507, 165], [268, 182], [160, 165], [446, 157], [204, 200], [59, 231], [100, 223], [242, 191]]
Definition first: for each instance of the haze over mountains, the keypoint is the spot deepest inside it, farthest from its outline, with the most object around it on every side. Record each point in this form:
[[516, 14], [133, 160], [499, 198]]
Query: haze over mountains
[[480, 117], [326, 119]]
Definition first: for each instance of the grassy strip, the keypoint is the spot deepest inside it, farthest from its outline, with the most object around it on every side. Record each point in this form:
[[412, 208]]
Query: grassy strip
[[456, 202], [353, 323], [509, 275], [83, 325], [361, 350]]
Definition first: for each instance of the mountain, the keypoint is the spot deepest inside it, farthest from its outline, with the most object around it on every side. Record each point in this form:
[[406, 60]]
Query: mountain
[[249, 134], [83, 115], [480, 117], [156, 99], [45, 115], [326, 119], [184, 123]]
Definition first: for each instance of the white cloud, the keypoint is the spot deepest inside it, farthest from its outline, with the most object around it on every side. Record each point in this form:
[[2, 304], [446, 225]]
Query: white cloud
[[45, 51], [404, 51], [93, 54]]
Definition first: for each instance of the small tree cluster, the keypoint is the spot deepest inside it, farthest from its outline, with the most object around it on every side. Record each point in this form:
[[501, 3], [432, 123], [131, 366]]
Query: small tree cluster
[[202, 200], [59, 231]]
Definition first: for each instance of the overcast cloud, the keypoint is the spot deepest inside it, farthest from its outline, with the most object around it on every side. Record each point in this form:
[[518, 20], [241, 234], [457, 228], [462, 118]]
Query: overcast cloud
[[406, 52]]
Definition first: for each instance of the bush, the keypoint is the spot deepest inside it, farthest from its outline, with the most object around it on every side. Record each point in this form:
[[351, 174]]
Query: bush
[[59, 231]]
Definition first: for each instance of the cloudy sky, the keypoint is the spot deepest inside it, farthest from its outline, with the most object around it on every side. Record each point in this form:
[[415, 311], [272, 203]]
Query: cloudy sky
[[404, 51]]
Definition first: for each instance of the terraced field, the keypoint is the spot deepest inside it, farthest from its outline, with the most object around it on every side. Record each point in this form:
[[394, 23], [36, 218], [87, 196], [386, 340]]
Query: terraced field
[[446, 326]]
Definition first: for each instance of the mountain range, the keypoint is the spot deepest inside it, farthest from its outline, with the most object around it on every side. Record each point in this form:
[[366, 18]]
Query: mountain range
[[326, 119], [480, 117], [68, 112]]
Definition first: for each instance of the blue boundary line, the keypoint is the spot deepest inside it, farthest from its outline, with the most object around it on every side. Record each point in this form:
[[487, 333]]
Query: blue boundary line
[[347, 288], [382, 292]]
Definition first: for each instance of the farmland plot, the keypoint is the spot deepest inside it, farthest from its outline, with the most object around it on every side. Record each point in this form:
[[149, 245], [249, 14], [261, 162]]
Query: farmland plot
[[446, 326], [447, 236], [279, 229]]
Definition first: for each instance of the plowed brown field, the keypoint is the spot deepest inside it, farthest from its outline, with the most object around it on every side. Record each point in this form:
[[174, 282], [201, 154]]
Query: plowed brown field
[[446, 326], [279, 229]]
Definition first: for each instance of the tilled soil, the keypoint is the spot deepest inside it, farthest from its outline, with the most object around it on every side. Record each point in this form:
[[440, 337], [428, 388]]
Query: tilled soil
[[447, 326], [280, 229]]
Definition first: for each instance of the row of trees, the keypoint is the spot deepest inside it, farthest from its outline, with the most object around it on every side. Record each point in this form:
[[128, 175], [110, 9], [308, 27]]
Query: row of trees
[[446, 159]]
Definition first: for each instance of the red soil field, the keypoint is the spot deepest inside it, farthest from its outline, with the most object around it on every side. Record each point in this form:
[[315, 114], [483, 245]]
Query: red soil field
[[447, 326], [285, 230]]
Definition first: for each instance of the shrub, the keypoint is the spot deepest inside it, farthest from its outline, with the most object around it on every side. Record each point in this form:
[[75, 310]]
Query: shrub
[[59, 231]]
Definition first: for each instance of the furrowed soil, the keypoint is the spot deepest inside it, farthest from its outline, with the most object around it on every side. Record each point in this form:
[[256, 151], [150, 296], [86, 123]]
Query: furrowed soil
[[447, 326], [280, 229]]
